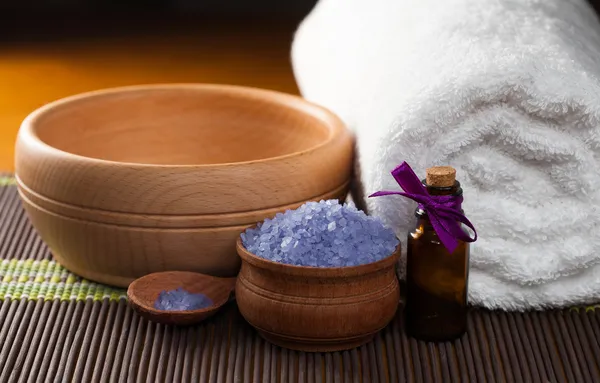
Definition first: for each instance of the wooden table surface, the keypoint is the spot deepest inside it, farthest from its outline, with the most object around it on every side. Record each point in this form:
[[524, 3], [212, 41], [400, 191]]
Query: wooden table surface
[[33, 73]]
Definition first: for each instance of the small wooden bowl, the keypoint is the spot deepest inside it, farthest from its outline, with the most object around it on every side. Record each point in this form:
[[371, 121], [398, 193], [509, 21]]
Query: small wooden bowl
[[125, 182], [143, 292], [317, 309]]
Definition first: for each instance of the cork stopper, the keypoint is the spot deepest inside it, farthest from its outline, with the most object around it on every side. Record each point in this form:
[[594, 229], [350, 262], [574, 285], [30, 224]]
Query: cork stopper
[[441, 176]]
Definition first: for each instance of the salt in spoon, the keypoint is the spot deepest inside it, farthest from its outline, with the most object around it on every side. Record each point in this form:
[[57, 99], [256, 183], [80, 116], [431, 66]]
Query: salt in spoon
[[144, 291]]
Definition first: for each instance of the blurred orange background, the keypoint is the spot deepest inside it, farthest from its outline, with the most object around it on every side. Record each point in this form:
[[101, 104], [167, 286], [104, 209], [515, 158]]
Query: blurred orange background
[[92, 54]]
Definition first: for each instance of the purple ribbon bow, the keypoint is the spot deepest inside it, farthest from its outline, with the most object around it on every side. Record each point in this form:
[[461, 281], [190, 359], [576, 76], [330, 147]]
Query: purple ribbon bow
[[444, 212]]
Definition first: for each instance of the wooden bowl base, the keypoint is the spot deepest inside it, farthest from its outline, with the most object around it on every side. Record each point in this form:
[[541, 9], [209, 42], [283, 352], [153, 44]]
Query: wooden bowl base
[[315, 345]]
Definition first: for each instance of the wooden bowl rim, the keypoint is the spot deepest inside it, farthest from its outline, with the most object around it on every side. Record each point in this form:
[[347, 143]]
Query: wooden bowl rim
[[311, 271], [150, 309], [27, 129]]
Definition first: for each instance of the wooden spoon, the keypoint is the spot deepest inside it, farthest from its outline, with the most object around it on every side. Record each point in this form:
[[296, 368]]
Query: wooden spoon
[[144, 291]]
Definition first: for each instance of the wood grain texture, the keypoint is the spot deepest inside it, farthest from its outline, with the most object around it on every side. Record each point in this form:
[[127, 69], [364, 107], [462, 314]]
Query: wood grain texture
[[129, 181], [317, 309], [143, 292]]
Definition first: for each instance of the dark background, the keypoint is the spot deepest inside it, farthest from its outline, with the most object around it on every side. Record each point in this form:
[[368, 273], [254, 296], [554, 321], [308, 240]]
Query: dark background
[[80, 18], [43, 19]]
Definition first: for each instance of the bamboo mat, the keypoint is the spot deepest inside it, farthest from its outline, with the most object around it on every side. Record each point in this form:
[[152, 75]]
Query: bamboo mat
[[57, 327]]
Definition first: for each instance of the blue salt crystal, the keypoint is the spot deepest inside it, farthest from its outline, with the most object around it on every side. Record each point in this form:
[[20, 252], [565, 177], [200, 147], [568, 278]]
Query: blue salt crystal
[[321, 234], [181, 300]]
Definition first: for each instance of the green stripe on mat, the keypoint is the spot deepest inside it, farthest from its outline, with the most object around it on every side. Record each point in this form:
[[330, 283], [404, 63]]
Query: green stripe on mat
[[47, 280], [7, 180]]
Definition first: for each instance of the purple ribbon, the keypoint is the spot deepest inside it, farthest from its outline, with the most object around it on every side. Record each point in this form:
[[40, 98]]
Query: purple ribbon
[[444, 212]]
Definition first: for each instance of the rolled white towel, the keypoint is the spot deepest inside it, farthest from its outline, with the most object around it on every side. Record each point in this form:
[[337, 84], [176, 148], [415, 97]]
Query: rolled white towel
[[506, 91]]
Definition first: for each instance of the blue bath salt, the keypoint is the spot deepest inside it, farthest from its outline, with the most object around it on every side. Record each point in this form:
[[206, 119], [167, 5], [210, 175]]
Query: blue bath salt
[[181, 300], [321, 234]]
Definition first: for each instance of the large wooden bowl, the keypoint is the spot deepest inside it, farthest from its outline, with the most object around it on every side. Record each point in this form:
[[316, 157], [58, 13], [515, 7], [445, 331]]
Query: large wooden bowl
[[317, 309], [129, 181]]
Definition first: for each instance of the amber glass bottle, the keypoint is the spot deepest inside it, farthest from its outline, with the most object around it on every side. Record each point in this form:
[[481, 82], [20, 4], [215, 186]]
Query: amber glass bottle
[[436, 281]]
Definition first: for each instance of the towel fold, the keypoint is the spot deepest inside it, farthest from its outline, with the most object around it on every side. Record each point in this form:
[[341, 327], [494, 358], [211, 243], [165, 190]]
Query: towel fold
[[506, 91]]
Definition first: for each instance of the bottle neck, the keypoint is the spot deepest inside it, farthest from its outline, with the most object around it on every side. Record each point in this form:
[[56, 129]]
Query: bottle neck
[[454, 190]]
